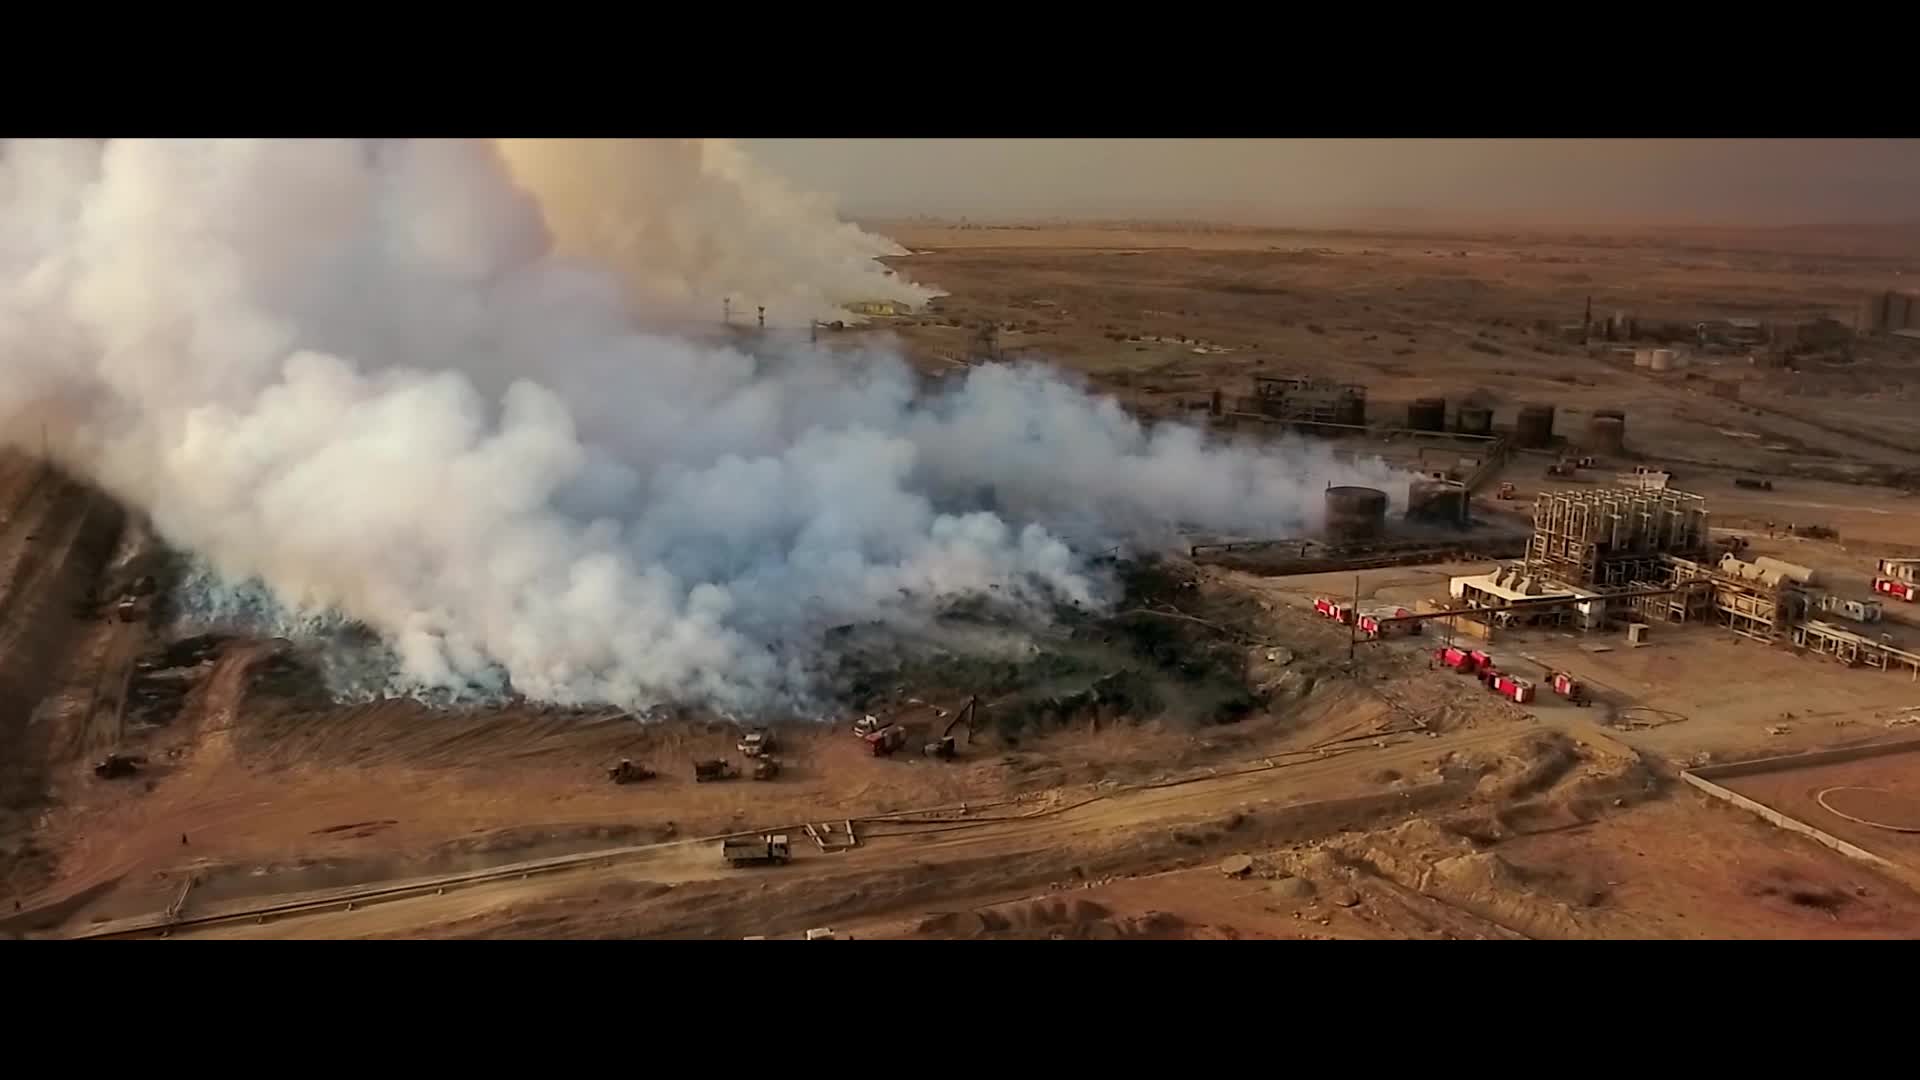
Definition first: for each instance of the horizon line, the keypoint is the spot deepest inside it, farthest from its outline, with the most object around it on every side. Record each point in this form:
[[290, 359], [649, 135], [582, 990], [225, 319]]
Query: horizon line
[[1369, 221]]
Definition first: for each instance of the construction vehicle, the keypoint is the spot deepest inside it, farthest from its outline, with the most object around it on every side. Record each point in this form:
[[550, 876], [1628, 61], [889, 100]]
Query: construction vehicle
[[133, 609], [946, 747], [628, 773], [885, 741], [1506, 491], [713, 769], [771, 849], [757, 742], [117, 766], [1898, 578], [765, 768]]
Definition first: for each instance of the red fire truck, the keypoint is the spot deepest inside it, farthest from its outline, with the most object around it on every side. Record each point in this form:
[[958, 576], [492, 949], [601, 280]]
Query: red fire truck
[[1516, 689], [1337, 610], [1371, 622], [1569, 687], [1898, 578], [1466, 661]]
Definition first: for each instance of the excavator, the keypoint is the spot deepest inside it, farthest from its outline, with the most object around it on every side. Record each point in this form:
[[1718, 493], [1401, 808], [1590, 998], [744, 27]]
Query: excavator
[[116, 766], [946, 747], [628, 773]]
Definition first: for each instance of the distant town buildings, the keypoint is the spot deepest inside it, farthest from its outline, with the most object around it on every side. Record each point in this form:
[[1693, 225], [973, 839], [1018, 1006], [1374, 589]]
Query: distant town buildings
[[1890, 313]]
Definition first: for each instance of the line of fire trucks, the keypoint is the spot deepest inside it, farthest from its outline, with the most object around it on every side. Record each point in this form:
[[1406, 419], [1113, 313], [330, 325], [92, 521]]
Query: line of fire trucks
[[1898, 578], [1475, 662]]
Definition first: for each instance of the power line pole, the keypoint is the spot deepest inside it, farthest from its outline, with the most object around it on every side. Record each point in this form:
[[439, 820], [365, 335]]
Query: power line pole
[[1353, 618]]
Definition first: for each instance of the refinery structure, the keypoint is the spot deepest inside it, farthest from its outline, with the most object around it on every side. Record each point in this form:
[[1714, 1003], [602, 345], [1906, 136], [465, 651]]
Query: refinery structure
[[1609, 544]]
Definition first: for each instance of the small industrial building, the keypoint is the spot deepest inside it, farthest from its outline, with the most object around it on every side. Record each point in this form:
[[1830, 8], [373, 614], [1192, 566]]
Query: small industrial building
[[881, 308], [1585, 609]]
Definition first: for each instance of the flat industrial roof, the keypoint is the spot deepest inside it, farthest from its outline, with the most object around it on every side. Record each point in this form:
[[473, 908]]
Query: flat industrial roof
[[1550, 590]]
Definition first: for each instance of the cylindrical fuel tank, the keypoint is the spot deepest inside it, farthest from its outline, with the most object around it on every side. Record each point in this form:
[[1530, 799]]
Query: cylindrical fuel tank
[[1607, 435], [1437, 502], [1533, 428], [1427, 414], [1474, 420], [1355, 514]]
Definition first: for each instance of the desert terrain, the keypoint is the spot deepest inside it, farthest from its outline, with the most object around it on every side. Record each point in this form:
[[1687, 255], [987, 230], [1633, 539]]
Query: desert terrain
[[1213, 760]]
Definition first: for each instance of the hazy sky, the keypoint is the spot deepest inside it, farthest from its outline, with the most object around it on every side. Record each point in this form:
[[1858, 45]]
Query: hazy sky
[[1576, 181]]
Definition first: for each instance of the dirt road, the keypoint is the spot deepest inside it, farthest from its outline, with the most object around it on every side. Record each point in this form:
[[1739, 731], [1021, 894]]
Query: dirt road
[[1095, 831]]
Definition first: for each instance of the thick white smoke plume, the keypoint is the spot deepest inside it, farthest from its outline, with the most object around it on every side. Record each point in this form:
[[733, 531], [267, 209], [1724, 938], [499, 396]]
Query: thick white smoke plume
[[357, 373], [692, 223]]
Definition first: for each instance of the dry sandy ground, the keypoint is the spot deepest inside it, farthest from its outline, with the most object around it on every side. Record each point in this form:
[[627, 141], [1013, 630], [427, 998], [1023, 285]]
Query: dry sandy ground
[[1478, 835], [251, 797], [1412, 315], [1673, 868], [1879, 789]]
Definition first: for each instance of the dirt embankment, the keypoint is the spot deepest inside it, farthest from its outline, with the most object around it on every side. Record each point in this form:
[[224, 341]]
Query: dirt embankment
[[54, 542], [1562, 840], [1433, 873]]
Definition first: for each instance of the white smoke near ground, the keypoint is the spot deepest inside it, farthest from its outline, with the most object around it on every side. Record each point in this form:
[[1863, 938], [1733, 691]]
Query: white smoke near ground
[[690, 224], [356, 376]]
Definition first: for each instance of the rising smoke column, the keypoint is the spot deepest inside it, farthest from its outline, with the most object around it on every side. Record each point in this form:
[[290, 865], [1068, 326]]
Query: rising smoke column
[[357, 374], [688, 223]]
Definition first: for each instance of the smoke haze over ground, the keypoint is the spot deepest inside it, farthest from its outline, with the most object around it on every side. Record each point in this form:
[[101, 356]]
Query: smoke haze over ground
[[688, 223], [356, 376]]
